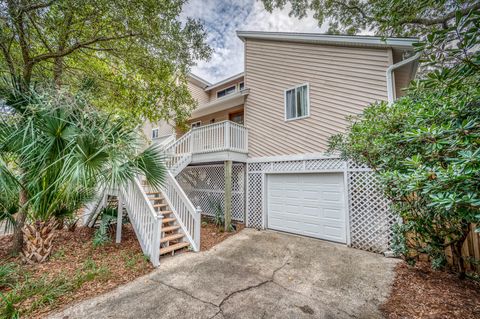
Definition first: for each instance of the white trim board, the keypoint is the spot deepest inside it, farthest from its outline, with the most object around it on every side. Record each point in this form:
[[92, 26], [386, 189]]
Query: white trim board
[[293, 157]]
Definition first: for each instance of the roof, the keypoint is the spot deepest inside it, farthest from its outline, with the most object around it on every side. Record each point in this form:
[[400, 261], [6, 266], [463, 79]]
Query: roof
[[225, 81], [198, 81], [345, 40]]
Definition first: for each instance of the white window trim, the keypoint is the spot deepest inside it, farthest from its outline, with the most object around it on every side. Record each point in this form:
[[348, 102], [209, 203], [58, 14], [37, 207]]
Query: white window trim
[[224, 89], [153, 130], [285, 102], [196, 122]]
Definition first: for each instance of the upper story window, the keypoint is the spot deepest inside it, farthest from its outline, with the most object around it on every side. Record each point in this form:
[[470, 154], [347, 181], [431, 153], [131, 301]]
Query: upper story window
[[241, 86], [226, 91], [196, 124], [154, 133], [297, 102]]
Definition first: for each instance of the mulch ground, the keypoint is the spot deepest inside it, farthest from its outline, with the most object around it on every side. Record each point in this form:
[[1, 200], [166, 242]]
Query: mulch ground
[[123, 262], [420, 292], [211, 234]]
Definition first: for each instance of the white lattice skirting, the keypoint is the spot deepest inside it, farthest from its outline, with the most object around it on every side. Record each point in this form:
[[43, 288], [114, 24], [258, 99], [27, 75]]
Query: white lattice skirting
[[369, 217], [205, 187]]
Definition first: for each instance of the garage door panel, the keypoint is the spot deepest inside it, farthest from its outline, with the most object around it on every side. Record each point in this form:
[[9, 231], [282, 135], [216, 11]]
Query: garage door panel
[[307, 204], [333, 214], [332, 196]]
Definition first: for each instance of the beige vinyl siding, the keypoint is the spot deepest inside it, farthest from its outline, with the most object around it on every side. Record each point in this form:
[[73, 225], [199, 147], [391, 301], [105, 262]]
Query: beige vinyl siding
[[198, 94], [164, 129], [401, 75], [213, 92], [342, 81]]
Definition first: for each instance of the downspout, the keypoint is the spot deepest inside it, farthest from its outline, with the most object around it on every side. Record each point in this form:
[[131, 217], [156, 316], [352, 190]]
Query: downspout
[[390, 85]]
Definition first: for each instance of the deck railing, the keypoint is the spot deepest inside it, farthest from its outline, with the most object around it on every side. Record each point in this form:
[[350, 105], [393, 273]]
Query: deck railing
[[218, 137]]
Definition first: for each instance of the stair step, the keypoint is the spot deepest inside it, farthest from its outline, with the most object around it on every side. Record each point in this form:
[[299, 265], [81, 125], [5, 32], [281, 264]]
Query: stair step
[[171, 237], [171, 248], [152, 193], [155, 198], [164, 212], [159, 205], [168, 220], [170, 228]]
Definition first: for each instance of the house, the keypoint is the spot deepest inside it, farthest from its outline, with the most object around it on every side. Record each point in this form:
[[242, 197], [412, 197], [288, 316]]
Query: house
[[258, 140]]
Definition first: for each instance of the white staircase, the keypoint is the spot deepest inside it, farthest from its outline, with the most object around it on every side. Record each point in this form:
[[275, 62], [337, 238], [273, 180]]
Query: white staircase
[[165, 220]]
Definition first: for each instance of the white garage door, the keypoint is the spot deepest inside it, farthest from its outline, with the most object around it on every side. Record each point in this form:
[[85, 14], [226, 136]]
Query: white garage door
[[307, 204]]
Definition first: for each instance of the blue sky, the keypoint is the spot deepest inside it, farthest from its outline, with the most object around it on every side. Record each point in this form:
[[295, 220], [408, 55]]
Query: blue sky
[[222, 18]]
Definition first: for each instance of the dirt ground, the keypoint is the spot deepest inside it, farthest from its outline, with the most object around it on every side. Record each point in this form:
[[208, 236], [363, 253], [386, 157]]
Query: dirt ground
[[420, 292], [117, 264], [212, 234]]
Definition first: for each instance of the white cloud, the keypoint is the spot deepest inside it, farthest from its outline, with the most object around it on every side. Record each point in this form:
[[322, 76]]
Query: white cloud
[[223, 18]]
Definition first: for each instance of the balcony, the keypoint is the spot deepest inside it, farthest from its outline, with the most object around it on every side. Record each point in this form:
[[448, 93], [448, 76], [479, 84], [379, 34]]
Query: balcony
[[210, 143]]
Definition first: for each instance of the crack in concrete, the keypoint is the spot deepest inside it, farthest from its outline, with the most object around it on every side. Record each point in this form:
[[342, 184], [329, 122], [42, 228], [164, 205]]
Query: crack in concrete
[[226, 298], [252, 287], [186, 293]]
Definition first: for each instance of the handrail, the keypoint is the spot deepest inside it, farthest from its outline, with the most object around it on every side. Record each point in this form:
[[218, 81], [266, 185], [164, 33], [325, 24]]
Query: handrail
[[188, 217], [93, 208], [145, 221]]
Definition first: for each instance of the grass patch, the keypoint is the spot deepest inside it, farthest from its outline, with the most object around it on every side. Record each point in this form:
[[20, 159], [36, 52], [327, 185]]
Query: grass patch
[[26, 294]]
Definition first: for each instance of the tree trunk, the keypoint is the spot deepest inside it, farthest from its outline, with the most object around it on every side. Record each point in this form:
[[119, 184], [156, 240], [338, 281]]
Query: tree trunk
[[57, 72], [27, 78], [458, 260], [38, 239], [20, 222]]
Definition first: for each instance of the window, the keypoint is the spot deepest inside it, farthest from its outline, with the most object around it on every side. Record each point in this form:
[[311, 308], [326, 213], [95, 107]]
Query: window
[[241, 86], [297, 104], [154, 133], [226, 91], [196, 124], [236, 117]]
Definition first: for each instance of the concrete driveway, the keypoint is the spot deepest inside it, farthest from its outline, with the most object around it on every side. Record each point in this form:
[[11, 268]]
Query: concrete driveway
[[254, 274]]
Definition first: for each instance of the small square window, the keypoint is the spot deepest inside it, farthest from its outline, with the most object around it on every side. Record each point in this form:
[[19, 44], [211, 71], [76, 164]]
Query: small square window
[[297, 104], [241, 86], [196, 124], [154, 133]]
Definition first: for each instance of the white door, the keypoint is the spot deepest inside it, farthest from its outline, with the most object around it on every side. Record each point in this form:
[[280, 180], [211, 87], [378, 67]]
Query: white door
[[307, 204]]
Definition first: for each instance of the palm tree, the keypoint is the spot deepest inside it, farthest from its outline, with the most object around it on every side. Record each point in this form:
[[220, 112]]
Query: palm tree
[[63, 150]]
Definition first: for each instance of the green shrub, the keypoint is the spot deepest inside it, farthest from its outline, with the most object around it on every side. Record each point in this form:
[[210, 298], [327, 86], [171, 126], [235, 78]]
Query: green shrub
[[426, 150]]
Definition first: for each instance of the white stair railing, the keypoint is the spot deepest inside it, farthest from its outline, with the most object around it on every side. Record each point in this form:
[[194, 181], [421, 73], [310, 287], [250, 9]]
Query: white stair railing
[[92, 209], [223, 136], [188, 217], [145, 221]]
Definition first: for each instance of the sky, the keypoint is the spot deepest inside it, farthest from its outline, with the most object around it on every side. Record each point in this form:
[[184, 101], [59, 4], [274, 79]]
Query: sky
[[222, 18]]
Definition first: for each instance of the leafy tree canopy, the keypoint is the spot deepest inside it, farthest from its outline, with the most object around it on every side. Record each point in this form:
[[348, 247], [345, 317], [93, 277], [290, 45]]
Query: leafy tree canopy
[[383, 17], [133, 55]]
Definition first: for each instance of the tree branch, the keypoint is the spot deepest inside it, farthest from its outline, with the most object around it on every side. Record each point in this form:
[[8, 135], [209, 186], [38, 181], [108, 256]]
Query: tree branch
[[36, 6], [40, 35], [440, 20], [8, 59], [78, 45]]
